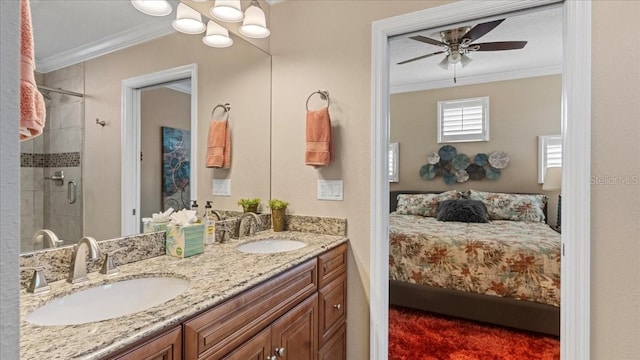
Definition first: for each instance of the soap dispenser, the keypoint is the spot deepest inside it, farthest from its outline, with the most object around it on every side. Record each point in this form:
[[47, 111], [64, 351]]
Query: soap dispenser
[[209, 224], [194, 207]]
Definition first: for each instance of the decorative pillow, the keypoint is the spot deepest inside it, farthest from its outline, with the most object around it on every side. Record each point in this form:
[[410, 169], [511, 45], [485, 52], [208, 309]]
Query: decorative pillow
[[464, 210], [517, 207], [424, 204]]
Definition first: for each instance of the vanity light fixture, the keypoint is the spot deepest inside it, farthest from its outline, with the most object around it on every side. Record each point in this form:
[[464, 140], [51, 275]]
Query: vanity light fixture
[[254, 24], [217, 36], [227, 10], [188, 20], [153, 7]]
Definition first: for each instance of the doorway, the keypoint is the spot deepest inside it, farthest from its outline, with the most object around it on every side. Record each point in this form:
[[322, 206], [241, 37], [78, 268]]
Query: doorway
[[576, 85]]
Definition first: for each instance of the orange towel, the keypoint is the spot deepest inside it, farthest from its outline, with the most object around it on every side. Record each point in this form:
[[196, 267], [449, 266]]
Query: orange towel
[[219, 145], [318, 148], [32, 108]]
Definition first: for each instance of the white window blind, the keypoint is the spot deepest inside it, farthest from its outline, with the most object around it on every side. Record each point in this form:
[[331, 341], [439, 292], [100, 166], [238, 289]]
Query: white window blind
[[463, 120], [549, 154], [393, 162]]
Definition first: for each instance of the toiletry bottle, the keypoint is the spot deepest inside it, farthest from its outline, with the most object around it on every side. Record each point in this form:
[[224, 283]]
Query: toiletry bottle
[[194, 207], [209, 224]]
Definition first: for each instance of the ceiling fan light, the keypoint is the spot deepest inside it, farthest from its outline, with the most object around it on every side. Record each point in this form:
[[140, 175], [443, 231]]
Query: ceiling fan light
[[227, 10], [255, 23], [217, 36], [455, 57], [465, 60], [444, 63], [188, 20], [153, 7]]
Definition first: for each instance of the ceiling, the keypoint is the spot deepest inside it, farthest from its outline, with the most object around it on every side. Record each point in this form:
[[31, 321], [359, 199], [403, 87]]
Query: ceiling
[[541, 56], [68, 32]]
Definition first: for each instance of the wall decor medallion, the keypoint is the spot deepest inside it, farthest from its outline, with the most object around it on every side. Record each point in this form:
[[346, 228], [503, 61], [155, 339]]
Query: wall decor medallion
[[433, 158], [457, 167]]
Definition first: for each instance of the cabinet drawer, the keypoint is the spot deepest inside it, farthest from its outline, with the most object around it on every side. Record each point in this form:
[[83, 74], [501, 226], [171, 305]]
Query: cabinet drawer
[[336, 347], [216, 332], [333, 309], [331, 264], [164, 347]]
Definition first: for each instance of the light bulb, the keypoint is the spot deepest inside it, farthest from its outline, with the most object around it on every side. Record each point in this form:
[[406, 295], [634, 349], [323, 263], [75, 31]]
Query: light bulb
[[153, 7]]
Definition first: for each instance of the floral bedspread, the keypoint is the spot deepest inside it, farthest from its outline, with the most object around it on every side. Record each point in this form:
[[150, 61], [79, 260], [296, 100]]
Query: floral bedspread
[[512, 259]]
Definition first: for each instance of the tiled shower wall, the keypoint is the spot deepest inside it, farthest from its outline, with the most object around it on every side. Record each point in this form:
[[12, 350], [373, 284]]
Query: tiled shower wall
[[44, 203]]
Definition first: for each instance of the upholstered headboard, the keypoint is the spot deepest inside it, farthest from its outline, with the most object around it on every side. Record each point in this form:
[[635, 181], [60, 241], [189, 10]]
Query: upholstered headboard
[[393, 198]]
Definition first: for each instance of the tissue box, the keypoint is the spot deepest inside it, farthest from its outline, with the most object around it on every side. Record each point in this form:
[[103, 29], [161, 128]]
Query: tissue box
[[149, 227], [185, 240]]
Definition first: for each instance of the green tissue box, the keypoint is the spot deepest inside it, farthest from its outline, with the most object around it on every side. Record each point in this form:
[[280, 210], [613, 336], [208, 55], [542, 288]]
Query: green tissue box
[[185, 241], [149, 227]]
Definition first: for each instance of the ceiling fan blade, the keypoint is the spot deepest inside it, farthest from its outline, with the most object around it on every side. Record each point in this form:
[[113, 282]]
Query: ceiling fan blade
[[480, 30], [427, 40], [498, 45], [421, 57]]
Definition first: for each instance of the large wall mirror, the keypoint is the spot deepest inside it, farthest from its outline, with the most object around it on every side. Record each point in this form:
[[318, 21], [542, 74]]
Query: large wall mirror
[[84, 130]]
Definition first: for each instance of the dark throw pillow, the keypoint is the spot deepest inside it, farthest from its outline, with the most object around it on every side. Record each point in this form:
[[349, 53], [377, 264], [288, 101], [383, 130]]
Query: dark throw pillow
[[469, 211]]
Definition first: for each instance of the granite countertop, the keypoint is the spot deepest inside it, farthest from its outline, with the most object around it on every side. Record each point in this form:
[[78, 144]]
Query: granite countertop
[[216, 275]]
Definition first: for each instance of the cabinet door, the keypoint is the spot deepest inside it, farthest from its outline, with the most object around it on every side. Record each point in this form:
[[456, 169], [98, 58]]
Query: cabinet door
[[256, 348], [333, 307], [294, 336], [336, 347], [164, 347]]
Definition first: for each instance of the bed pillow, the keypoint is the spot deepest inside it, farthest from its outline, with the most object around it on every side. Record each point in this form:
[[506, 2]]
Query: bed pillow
[[516, 207], [424, 204], [464, 210]]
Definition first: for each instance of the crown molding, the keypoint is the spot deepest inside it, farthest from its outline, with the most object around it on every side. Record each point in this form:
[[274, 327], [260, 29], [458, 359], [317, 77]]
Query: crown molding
[[109, 44], [478, 79]]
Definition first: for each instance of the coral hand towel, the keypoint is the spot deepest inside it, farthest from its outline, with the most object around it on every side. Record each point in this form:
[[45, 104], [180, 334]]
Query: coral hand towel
[[219, 145], [318, 148], [32, 107]]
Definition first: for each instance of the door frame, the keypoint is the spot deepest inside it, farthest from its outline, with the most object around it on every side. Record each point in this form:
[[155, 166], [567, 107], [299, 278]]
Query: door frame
[[130, 164], [576, 172]]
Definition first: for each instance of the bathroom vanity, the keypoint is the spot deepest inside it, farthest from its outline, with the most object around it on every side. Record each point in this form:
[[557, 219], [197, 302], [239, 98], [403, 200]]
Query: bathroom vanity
[[288, 305]]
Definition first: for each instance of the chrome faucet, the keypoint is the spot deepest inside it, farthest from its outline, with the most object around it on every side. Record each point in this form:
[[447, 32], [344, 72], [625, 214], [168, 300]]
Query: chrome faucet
[[78, 269], [242, 226], [43, 234], [217, 214]]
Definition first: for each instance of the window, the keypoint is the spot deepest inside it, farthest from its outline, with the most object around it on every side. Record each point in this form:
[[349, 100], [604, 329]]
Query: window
[[549, 154], [463, 120], [393, 162]]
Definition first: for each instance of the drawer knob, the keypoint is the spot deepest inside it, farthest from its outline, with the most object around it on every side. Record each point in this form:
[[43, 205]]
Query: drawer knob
[[279, 351], [337, 306]]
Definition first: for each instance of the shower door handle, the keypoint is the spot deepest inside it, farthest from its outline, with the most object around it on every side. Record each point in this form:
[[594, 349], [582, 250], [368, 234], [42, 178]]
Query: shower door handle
[[71, 192]]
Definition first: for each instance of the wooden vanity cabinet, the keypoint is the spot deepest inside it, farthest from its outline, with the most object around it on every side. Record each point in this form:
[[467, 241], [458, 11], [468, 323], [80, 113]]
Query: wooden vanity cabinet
[[332, 316], [166, 346], [297, 315]]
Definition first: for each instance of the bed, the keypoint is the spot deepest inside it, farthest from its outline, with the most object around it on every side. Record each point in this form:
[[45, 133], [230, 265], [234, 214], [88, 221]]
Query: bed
[[504, 272]]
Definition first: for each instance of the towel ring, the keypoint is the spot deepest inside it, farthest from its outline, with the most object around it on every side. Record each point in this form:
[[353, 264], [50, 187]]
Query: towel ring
[[226, 108], [324, 95]]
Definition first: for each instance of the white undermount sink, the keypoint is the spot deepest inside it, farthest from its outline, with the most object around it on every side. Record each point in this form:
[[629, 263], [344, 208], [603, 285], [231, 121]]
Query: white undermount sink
[[270, 246], [108, 301]]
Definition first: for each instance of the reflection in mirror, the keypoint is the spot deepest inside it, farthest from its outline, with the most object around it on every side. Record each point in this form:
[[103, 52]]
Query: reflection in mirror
[[90, 154], [165, 138]]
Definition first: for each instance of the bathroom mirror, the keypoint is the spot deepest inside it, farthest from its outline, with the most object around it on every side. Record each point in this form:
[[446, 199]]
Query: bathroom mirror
[[88, 150]]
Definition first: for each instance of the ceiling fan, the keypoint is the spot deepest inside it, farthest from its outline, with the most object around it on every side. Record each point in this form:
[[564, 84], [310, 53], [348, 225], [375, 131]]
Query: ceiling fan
[[458, 42]]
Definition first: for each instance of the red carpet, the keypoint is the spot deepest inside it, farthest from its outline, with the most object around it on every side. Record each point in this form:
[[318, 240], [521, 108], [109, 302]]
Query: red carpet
[[416, 335]]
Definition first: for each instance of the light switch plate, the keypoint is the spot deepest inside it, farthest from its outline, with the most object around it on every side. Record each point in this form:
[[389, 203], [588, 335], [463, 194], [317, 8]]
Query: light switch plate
[[222, 187], [330, 190]]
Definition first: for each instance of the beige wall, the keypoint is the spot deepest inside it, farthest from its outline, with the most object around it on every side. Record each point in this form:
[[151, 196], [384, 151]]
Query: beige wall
[[239, 75], [327, 45], [330, 49], [159, 107], [615, 208], [520, 110]]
